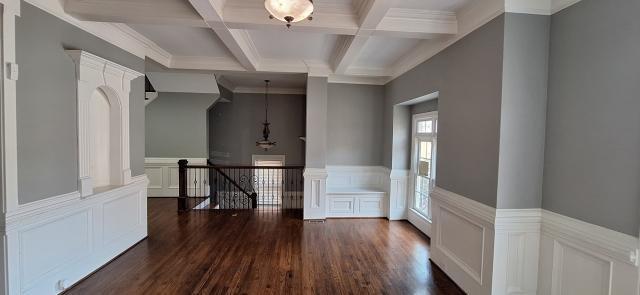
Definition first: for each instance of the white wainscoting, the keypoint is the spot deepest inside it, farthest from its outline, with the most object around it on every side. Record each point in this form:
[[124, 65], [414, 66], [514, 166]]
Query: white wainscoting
[[398, 188], [55, 242], [357, 191], [577, 257], [163, 175], [516, 251], [462, 240], [315, 193]]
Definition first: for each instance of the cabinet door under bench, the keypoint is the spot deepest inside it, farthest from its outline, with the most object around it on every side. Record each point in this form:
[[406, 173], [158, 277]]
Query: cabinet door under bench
[[355, 203]]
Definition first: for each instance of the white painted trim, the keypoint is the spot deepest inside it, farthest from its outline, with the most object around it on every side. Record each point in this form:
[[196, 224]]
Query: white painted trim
[[576, 255], [354, 79], [315, 192], [259, 157], [398, 186], [596, 238], [163, 175], [482, 211], [541, 7], [462, 240], [81, 234], [516, 251], [117, 34], [9, 142], [94, 73]]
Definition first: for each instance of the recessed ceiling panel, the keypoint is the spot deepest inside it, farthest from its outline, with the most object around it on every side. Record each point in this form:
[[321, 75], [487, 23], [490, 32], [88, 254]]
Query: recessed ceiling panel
[[435, 5], [185, 41], [383, 52], [293, 45]]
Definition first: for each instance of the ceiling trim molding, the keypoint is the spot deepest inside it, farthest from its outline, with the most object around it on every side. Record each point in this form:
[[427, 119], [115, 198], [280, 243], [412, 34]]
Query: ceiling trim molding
[[272, 90], [149, 12], [154, 51], [540, 7], [363, 80], [108, 32], [206, 63], [471, 18]]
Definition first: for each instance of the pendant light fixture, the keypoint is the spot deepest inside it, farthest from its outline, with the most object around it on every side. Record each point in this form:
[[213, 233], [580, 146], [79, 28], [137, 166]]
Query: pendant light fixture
[[289, 11], [265, 143]]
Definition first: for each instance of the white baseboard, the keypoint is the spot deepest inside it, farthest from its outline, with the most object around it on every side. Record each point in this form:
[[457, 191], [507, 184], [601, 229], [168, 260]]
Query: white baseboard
[[462, 240], [163, 175], [52, 244]]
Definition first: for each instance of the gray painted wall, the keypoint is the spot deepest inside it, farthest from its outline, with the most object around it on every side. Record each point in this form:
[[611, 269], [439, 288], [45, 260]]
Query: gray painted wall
[[236, 126], [354, 121], [592, 157], [176, 125], [316, 124], [524, 108], [468, 75], [424, 107], [46, 103]]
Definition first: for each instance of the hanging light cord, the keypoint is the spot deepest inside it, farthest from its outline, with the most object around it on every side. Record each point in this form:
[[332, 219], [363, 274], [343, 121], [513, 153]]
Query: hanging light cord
[[266, 102]]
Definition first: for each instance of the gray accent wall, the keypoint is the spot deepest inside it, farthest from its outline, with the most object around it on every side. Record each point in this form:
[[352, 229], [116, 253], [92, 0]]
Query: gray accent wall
[[316, 123], [176, 125], [354, 122], [47, 107], [524, 108], [592, 155], [234, 128], [424, 107], [468, 75]]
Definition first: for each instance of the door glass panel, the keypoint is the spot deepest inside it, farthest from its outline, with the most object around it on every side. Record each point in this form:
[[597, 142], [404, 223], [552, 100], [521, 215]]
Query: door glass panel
[[423, 176]]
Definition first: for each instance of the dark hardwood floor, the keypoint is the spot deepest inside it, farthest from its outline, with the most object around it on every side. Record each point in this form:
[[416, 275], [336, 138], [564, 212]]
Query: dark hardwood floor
[[215, 253]]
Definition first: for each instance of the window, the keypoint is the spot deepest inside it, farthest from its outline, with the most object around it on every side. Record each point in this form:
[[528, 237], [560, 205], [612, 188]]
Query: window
[[268, 182], [423, 152]]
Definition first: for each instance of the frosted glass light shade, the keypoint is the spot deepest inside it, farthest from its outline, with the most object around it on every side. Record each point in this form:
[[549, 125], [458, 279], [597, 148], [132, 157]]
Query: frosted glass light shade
[[289, 11]]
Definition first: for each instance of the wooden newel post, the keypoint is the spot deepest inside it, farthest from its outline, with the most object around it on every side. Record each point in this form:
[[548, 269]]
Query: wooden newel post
[[182, 185]]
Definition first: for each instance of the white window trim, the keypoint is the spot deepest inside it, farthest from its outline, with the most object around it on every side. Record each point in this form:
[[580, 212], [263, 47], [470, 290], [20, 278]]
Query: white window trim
[[414, 136], [96, 73], [255, 158]]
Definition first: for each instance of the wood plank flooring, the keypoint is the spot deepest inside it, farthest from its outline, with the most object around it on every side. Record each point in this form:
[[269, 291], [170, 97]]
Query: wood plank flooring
[[215, 253]]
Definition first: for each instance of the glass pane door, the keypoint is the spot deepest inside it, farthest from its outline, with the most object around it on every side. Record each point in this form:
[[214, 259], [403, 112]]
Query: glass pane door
[[423, 173]]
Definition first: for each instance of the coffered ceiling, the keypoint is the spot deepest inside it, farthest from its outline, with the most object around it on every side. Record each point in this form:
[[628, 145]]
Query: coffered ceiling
[[357, 41]]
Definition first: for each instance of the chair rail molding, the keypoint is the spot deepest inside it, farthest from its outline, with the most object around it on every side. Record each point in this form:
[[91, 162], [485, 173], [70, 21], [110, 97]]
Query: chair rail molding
[[315, 193], [93, 74]]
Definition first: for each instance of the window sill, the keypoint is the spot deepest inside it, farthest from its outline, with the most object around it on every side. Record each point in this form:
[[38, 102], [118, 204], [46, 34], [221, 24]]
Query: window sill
[[420, 215]]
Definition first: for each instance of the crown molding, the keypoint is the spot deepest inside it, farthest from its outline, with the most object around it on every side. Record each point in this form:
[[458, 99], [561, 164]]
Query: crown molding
[[154, 51], [540, 7], [118, 35], [363, 80], [206, 63]]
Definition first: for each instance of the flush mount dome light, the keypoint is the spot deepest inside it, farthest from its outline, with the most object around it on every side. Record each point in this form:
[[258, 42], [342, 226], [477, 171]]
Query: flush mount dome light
[[290, 11]]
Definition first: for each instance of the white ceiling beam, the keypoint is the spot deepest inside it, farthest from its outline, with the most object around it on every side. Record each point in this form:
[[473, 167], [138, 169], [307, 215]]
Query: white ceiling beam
[[135, 12], [238, 42], [417, 24], [252, 18], [372, 12]]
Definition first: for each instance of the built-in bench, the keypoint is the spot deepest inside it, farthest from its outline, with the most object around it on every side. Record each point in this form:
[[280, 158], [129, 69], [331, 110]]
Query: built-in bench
[[355, 202]]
